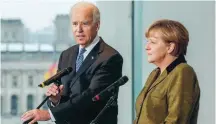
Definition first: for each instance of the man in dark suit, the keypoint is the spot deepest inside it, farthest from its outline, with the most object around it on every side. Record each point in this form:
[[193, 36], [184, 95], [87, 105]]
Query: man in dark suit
[[95, 65]]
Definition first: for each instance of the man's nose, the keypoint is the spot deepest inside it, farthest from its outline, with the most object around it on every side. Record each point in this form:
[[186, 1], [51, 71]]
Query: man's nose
[[79, 28]]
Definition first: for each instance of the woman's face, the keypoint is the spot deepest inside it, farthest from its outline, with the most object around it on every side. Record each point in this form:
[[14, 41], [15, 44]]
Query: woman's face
[[156, 48]]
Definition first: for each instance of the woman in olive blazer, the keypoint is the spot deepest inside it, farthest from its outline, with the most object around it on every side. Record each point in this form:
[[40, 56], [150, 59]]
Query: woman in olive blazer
[[171, 93]]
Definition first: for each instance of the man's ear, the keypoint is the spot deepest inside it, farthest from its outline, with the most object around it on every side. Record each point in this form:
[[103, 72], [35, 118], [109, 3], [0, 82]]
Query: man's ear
[[98, 26]]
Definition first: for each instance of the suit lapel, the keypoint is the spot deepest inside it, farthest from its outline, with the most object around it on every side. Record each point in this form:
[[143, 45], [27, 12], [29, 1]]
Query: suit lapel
[[72, 58], [159, 80], [70, 63], [150, 81], [152, 77], [91, 57]]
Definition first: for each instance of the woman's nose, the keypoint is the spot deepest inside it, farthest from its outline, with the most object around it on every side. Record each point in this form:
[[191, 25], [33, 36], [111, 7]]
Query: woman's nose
[[147, 47]]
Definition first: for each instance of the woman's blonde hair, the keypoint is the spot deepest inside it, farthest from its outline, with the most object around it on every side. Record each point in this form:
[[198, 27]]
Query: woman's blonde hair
[[171, 31]]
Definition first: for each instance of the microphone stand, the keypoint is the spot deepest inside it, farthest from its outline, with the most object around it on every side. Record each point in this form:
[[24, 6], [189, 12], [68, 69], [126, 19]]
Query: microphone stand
[[108, 104], [58, 84]]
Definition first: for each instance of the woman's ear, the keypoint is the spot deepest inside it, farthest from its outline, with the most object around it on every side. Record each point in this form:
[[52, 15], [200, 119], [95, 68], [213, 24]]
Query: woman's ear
[[171, 48]]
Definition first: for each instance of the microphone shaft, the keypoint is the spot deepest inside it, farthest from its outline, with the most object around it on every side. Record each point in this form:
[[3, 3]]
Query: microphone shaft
[[43, 102], [26, 122]]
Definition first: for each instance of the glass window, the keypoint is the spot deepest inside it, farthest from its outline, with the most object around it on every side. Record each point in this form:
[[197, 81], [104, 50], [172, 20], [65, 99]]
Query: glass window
[[2, 105], [30, 81], [5, 34], [14, 35], [14, 104], [14, 81], [3, 80], [45, 104], [30, 101]]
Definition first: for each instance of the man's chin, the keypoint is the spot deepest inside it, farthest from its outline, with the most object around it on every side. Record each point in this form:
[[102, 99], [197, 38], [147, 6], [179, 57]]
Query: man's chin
[[81, 42]]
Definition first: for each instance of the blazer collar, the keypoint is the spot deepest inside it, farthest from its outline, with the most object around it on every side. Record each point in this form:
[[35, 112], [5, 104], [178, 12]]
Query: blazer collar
[[180, 59], [158, 78]]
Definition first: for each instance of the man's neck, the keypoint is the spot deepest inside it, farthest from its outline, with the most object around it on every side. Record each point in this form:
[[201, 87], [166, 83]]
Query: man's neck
[[86, 45]]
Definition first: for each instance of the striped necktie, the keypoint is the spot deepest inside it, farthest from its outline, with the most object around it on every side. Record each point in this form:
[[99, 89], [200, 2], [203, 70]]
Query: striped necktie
[[80, 59]]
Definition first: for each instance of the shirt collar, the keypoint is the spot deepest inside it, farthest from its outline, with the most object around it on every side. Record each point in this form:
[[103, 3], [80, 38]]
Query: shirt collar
[[91, 45]]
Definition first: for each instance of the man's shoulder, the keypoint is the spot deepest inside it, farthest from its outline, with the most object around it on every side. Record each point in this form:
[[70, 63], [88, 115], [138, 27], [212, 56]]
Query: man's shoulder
[[109, 50]]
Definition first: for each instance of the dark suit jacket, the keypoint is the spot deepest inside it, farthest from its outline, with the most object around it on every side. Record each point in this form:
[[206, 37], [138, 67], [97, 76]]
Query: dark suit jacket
[[101, 67], [169, 98]]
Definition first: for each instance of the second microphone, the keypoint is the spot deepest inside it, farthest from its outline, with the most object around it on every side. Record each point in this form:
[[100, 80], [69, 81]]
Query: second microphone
[[119, 82]]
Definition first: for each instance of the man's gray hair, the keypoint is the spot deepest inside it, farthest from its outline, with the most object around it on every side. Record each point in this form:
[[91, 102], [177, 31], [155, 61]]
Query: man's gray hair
[[95, 13]]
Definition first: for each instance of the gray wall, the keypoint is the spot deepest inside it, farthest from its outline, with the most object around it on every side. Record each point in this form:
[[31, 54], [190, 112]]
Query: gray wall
[[116, 31], [199, 19]]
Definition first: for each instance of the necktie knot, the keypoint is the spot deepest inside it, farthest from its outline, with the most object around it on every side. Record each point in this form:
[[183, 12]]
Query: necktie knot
[[82, 51]]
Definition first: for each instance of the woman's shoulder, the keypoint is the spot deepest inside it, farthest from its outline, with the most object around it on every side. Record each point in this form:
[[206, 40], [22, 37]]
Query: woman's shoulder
[[184, 67]]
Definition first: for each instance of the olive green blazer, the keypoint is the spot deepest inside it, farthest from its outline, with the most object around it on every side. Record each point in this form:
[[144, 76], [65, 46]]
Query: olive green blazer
[[169, 98]]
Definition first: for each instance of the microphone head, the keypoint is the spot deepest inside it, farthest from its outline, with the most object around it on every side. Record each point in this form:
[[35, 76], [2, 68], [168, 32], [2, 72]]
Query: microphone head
[[40, 85], [125, 78], [111, 88], [56, 77]]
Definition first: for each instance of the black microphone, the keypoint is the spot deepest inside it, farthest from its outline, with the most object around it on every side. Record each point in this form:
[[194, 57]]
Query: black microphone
[[56, 77], [119, 82]]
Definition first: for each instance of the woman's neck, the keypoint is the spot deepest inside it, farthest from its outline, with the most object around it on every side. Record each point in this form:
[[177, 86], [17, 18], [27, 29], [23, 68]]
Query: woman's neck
[[165, 63]]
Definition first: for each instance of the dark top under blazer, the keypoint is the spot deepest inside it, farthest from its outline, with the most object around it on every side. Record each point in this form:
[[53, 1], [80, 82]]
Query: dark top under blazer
[[101, 67]]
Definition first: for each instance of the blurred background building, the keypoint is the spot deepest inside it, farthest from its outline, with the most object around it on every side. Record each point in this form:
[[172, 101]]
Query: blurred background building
[[26, 63], [63, 32], [28, 57], [13, 31]]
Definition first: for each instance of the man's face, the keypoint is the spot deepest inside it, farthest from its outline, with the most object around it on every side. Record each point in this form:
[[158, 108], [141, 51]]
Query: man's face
[[83, 27]]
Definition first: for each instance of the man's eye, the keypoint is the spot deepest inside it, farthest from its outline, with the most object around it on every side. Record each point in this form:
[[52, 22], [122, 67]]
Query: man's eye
[[152, 41], [85, 23], [74, 23]]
